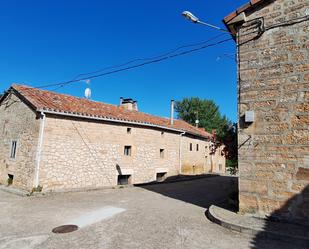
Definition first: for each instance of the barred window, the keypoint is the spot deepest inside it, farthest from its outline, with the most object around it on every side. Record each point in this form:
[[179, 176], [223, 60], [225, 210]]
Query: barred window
[[127, 150], [13, 149]]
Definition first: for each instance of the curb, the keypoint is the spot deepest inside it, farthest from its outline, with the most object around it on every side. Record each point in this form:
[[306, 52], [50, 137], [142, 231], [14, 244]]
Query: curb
[[14, 191], [212, 215]]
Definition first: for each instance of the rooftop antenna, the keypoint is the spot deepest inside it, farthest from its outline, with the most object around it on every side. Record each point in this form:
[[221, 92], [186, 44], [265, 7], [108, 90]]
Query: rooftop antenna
[[87, 90]]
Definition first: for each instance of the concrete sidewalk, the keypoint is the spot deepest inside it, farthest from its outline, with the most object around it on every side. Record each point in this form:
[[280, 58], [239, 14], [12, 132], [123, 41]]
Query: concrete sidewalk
[[260, 228]]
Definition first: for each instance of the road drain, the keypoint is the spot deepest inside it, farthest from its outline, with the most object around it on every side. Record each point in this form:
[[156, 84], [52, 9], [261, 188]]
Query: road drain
[[65, 229]]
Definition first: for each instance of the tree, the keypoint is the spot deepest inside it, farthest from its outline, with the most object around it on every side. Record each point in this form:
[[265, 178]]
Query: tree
[[209, 116], [206, 111]]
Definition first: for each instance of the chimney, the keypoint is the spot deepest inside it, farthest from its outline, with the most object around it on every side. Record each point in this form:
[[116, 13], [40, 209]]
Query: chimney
[[172, 112], [129, 104], [135, 108]]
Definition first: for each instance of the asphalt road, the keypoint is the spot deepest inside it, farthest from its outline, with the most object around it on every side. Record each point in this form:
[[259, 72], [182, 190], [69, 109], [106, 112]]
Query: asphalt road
[[154, 216]]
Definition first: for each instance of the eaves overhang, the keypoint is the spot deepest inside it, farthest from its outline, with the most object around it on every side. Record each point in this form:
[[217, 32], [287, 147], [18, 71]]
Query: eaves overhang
[[113, 120], [239, 15]]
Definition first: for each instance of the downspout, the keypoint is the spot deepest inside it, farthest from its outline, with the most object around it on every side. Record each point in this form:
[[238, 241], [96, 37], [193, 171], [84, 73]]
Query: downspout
[[180, 151], [172, 112], [211, 164], [39, 150]]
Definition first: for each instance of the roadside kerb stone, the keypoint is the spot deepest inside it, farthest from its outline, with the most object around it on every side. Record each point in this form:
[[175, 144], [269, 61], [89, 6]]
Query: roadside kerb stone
[[263, 228], [14, 190]]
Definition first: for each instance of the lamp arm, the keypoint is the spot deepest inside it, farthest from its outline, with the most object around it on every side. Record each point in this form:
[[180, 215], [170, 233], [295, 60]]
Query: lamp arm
[[212, 26]]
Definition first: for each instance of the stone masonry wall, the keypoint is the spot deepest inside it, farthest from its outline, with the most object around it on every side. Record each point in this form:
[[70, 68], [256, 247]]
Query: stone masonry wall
[[274, 83], [81, 154], [194, 161], [201, 160], [18, 122], [218, 161]]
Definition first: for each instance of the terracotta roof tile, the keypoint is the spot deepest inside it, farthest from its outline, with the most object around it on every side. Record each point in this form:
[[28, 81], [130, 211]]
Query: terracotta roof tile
[[61, 103], [250, 5]]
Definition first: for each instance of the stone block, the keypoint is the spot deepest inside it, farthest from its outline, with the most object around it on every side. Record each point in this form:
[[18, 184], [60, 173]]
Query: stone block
[[253, 186], [247, 203], [268, 205], [302, 108], [302, 174]]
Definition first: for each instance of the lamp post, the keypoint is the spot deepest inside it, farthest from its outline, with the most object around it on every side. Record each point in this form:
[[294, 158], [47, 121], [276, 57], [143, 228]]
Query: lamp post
[[188, 15]]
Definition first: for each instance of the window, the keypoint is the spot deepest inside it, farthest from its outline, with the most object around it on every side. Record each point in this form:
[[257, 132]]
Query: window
[[129, 130], [220, 167], [161, 153], [124, 179], [13, 149], [197, 147], [190, 146], [161, 177], [127, 150], [162, 133]]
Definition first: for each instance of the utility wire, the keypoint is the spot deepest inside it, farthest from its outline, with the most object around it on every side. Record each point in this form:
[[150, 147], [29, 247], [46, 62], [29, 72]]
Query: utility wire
[[136, 66], [152, 57], [262, 29], [150, 60], [289, 22], [165, 56]]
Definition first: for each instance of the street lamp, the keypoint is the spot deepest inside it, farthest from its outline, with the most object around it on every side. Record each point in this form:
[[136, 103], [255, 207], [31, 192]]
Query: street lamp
[[188, 15]]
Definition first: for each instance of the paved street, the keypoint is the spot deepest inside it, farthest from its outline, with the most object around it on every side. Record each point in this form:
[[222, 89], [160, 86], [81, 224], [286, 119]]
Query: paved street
[[154, 216]]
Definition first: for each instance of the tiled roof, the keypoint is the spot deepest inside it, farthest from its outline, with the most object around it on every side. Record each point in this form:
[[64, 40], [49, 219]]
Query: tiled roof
[[48, 101], [248, 6]]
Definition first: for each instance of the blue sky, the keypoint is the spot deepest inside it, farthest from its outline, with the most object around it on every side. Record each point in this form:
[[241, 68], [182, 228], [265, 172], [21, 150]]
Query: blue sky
[[46, 42]]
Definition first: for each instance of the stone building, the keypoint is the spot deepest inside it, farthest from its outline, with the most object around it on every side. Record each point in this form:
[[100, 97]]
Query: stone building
[[60, 142], [272, 38]]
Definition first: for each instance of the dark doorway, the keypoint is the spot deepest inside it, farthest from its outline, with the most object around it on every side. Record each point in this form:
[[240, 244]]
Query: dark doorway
[[161, 176], [10, 179], [124, 179]]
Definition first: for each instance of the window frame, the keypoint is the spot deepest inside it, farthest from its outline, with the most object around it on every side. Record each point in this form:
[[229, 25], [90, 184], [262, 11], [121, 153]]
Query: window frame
[[13, 153], [127, 151], [162, 153]]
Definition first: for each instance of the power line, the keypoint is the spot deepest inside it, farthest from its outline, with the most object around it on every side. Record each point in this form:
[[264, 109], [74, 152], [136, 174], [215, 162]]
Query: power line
[[150, 58], [167, 55], [262, 29], [136, 66], [289, 22]]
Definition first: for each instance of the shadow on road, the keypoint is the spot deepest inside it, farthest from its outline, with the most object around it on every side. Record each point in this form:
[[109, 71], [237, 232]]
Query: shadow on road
[[202, 191], [293, 216]]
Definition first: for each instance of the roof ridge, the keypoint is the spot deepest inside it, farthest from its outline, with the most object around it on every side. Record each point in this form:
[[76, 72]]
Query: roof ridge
[[65, 103], [93, 101], [63, 94]]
